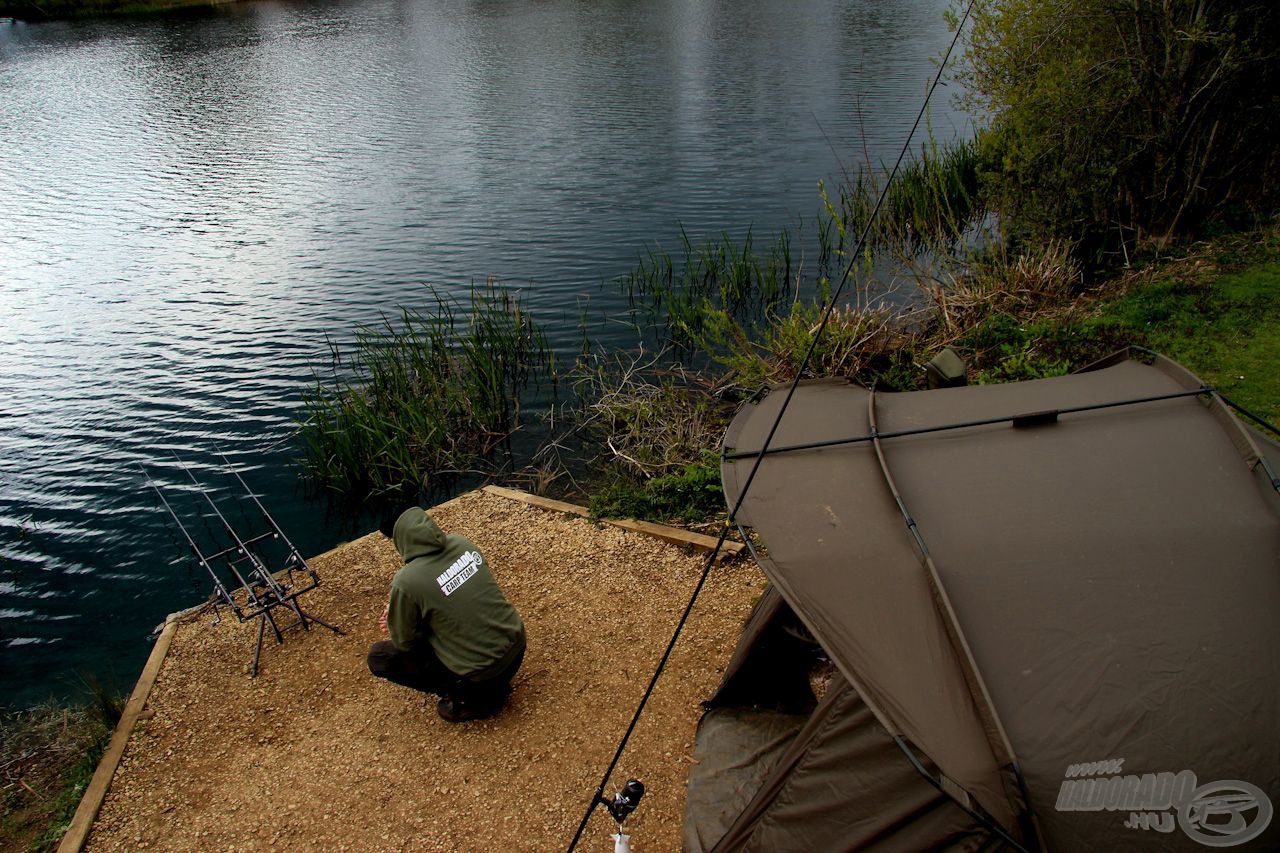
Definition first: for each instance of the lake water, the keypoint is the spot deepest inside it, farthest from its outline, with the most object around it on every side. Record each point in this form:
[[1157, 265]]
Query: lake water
[[190, 204]]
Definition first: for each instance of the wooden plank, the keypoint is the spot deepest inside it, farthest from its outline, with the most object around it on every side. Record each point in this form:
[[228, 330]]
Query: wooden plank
[[674, 535], [535, 500], [78, 831]]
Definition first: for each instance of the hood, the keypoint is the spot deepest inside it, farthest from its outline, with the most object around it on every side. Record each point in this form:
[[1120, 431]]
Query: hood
[[416, 534]]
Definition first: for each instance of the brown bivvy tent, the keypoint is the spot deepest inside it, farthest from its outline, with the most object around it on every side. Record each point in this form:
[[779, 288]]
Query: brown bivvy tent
[[1009, 580]]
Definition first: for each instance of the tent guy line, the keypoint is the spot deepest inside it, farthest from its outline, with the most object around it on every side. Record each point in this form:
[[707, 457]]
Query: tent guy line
[[599, 798], [1025, 419]]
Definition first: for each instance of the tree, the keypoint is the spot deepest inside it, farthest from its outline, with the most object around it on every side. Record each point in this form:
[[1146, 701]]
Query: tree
[[1134, 120]]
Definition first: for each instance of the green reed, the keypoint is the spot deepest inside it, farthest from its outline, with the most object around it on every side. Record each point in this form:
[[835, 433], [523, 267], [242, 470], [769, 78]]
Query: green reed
[[431, 392], [675, 292], [753, 309], [930, 206]]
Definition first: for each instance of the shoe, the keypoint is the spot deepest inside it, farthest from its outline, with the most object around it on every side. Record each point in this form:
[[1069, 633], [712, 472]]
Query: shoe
[[454, 710]]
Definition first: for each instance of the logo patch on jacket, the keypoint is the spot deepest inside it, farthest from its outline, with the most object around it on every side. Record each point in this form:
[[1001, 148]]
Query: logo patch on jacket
[[463, 569]]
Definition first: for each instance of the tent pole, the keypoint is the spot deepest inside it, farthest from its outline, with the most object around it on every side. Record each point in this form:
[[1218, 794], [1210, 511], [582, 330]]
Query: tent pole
[[1258, 419], [974, 812], [1026, 417], [1262, 422], [997, 739]]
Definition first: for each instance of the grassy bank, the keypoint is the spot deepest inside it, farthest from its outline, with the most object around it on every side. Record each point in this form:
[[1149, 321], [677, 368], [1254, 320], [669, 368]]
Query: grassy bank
[[47, 756], [1214, 307]]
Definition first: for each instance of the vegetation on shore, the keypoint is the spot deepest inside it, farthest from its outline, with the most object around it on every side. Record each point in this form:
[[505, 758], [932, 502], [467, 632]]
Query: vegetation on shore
[[1214, 307], [47, 756], [44, 10], [1073, 223], [647, 429], [1122, 126], [1116, 138], [433, 392]]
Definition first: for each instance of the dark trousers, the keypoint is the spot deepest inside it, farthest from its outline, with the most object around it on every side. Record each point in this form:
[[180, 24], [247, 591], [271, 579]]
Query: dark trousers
[[422, 670]]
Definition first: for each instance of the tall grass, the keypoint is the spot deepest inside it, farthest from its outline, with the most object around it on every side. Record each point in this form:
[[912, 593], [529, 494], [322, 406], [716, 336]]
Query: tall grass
[[432, 392], [438, 392], [930, 206], [47, 756], [754, 310], [676, 292]]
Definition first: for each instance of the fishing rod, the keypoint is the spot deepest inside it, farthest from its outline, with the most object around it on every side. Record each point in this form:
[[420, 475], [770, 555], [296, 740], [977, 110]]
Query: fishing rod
[[598, 799], [219, 587], [295, 556], [294, 562], [259, 572], [259, 590]]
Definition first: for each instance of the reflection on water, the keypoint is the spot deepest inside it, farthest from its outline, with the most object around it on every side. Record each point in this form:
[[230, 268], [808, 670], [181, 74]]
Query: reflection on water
[[190, 205]]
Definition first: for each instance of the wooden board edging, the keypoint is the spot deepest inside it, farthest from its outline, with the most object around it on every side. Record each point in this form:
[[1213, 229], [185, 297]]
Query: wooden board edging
[[77, 833], [674, 535]]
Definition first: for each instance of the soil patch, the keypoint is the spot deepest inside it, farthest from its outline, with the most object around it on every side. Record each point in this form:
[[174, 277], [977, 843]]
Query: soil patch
[[316, 753]]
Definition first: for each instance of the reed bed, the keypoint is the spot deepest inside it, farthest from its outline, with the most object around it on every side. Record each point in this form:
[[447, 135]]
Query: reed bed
[[675, 293], [931, 206], [434, 391], [438, 392]]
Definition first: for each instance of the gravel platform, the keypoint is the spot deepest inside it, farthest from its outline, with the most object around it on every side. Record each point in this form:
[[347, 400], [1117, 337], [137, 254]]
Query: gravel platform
[[315, 753]]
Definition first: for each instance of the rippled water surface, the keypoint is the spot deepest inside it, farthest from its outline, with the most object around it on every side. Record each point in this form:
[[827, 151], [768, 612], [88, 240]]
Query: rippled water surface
[[189, 205]]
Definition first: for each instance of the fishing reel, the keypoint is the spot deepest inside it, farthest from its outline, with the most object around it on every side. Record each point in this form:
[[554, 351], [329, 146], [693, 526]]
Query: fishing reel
[[625, 801], [620, 808]]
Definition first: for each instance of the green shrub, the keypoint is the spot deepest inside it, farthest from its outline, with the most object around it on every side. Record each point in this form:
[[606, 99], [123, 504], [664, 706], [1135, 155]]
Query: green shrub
[[1020, 363], [692, 495], [1144, 120]]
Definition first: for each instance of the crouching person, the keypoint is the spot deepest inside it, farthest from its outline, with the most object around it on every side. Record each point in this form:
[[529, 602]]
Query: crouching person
[[452, 631]]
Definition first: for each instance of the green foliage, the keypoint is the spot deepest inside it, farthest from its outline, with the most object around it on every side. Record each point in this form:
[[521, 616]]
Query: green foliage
[[935, 197], [54, 750], [728, 275], [1019, 363], [861, 342], [1144, 119], [692, 495], [432, 393], [1221, 319]]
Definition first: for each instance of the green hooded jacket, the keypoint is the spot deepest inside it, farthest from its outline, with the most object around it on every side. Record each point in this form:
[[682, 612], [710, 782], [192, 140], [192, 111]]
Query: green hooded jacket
[[445, 595]]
